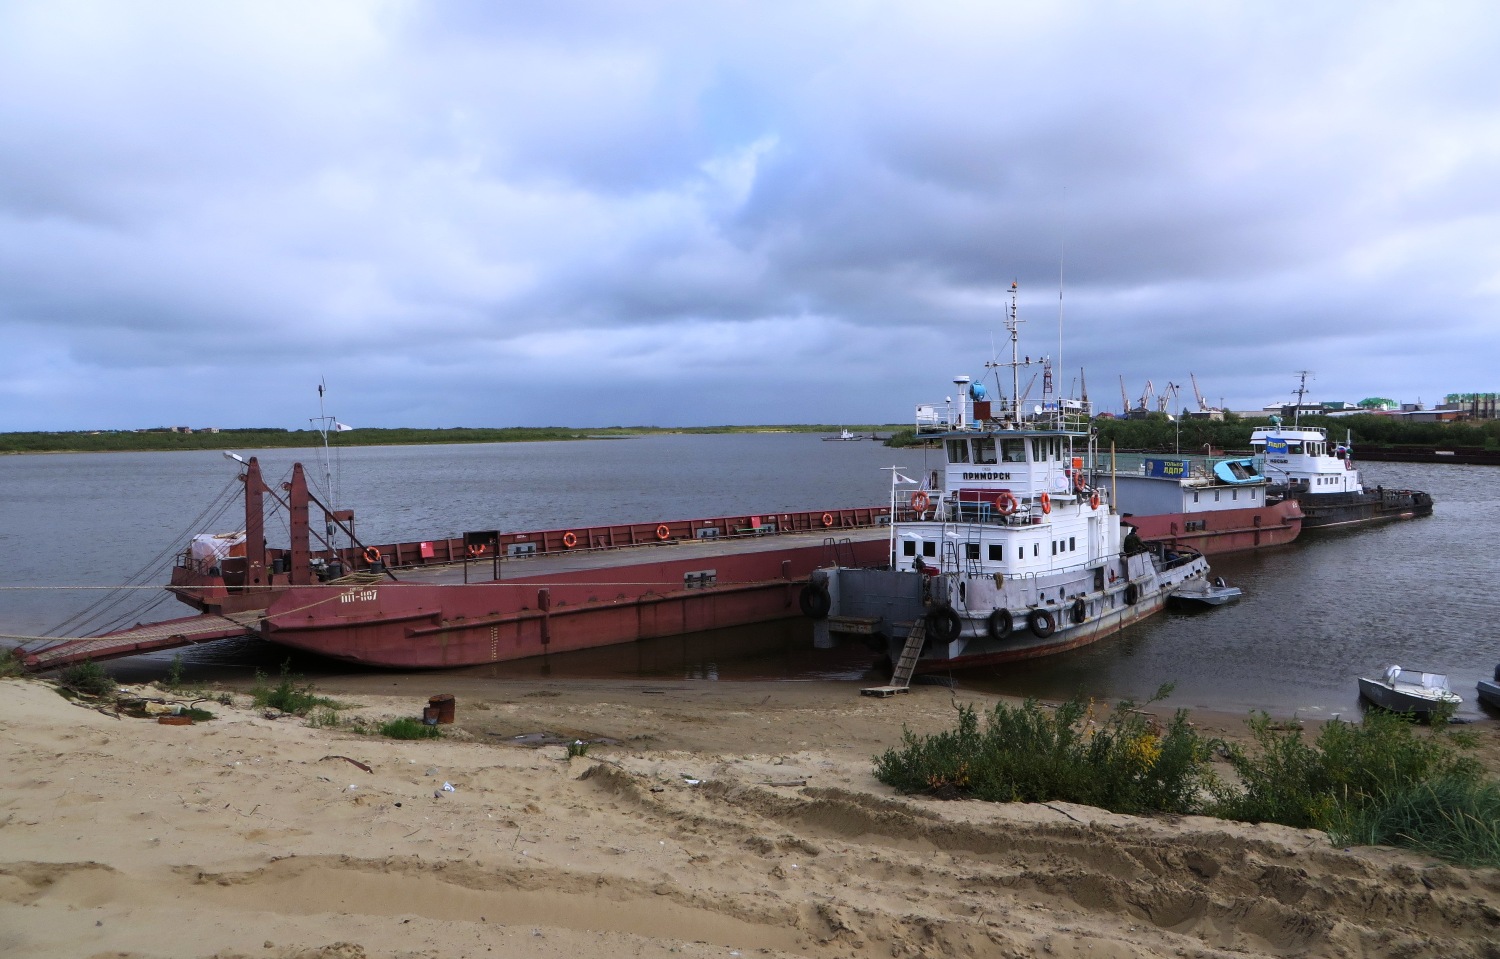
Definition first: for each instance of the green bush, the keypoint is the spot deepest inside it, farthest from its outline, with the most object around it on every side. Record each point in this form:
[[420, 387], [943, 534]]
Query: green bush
[[1349, 766], [288, 695], [87, 679], [1032, 754], [408, 728], [10, 664]]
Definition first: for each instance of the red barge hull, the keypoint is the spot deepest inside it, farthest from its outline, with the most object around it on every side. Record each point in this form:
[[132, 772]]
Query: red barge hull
[[488, 596], [1224, 531], [416, 625]]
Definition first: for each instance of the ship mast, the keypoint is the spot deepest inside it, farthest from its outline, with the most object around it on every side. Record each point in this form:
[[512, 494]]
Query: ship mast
[[1301, 392]]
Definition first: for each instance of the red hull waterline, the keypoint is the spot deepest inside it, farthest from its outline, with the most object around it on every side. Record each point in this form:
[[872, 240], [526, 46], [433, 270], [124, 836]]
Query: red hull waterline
[[417, 626], [1224, 531]]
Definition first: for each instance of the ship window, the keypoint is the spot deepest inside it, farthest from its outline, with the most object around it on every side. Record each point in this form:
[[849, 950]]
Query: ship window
[[1036, 549], [1216, 496], [1234, 494], [1071, 546], [997, 552], [971, 551], [1054, 547], [958, 451], [909, 548], [1195, 497], [1253, 493], [929, 549], [1014, 451], [984, 451]]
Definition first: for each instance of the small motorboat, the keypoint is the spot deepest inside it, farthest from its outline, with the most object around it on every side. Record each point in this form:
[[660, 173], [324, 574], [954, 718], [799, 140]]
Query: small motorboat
[[1489, 690], [1205, 593], [1410, 691]]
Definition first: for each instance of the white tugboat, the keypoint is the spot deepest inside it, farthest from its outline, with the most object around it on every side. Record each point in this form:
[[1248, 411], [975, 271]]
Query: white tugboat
[[1304, 465], [1009, 553]]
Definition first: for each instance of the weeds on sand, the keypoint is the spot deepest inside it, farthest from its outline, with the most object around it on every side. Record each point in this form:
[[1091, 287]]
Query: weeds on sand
[[10, 664], [1030, 753], [288, 695], [1384, 781], [408, 728], [87, 678]]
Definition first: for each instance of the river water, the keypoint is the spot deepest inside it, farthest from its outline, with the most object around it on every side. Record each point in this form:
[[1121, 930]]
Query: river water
[[1316, 614]]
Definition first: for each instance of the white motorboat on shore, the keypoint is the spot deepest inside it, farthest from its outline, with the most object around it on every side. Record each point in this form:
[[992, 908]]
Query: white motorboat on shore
[[1410, 691]]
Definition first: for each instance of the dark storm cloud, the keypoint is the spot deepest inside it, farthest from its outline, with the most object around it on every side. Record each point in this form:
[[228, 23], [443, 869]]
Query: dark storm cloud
[[482, 214]]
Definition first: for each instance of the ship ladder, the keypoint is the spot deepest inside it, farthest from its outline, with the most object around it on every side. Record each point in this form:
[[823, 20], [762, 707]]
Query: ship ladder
[[842, 551], [905, 666]]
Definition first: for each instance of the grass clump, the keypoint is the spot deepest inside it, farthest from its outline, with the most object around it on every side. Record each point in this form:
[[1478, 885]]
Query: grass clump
[[325, 717], [408, 728], [1380, 782], [577, 748], [288, 695], [87, 678], [1031, 753], [10, 664]]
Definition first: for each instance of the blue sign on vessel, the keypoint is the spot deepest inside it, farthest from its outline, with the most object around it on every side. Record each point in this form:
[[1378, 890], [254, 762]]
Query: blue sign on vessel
[[1171, 469], [1275, 447]]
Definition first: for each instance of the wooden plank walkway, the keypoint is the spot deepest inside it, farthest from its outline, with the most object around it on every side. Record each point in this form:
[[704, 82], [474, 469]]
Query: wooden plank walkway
[[171, 634], [905, 666]]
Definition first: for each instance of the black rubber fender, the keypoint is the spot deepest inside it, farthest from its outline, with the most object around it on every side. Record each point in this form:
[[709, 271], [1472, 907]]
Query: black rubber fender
[[1000, 624], [1041, 622], [815, 601], [1132, 594], [1079, 610], [944, 624]]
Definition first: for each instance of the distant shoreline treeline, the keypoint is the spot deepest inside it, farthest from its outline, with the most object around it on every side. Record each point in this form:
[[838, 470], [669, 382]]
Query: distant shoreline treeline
[[1156, 433], [268, 438]]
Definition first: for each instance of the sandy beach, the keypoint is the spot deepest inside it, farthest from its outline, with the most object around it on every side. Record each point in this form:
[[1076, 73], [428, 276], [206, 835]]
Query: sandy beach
[[713, 819]]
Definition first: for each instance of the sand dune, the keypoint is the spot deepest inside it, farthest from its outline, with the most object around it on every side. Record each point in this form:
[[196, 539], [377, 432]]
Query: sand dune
[[722, 824]]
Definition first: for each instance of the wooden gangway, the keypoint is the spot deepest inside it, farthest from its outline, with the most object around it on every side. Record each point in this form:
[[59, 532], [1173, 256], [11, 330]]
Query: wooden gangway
[[171, 634], [905, 666]]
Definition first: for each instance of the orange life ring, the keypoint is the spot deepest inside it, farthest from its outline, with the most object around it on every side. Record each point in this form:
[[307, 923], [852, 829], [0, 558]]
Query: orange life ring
[[1006, 503], [1046, 502], [372, 555], [920, 501], [570, 539], [827, 519], [1094, 501], [662, 532], [1078, 482]]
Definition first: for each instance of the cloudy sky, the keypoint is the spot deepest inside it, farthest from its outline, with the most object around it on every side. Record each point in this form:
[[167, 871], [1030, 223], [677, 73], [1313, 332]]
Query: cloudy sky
[[690, 213]]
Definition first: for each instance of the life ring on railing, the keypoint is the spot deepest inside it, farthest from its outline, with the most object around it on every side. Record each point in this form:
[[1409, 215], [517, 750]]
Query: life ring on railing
[[570, 539], [1094, 501], [920, 501], [1079, 483], [1005, 503], [1046, 502], [662, 532], [1040, 622], [827, 519], [372, 555]]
